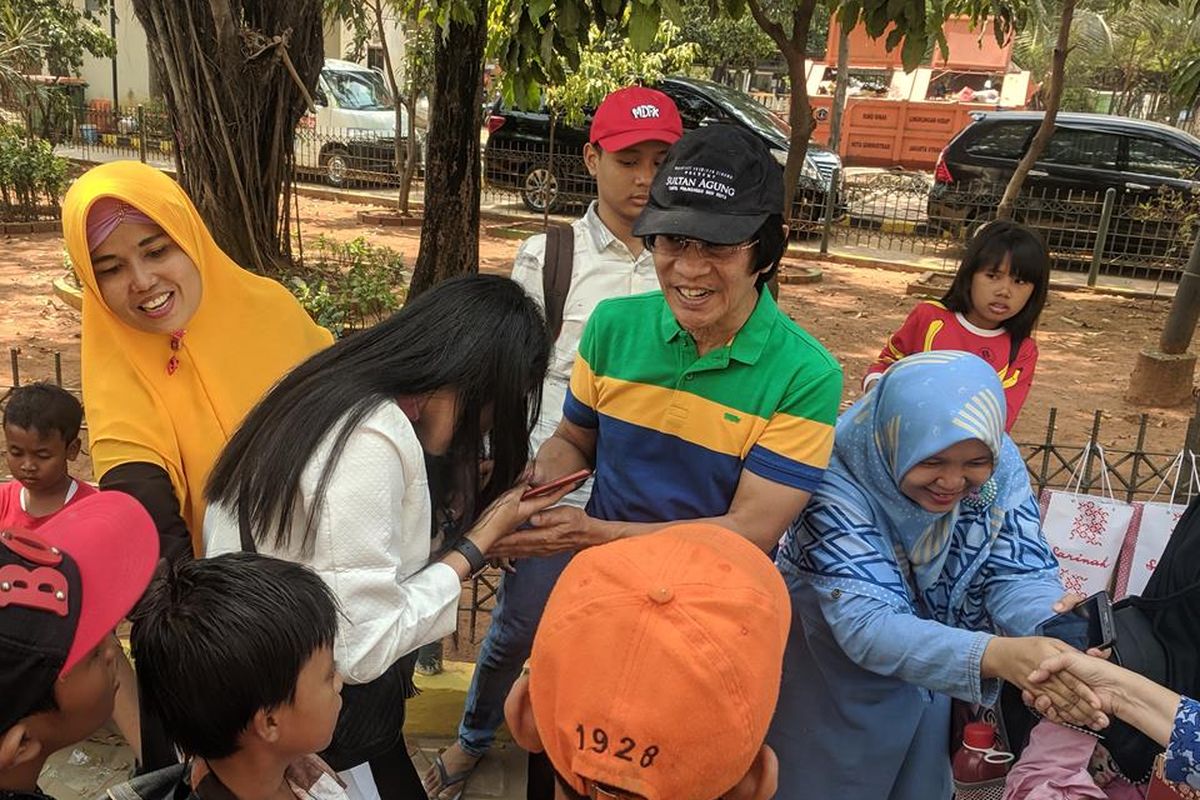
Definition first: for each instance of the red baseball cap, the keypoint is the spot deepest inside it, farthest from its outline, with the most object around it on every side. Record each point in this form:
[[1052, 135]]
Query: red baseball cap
[[634, 115], [64, 588], [657, 663]]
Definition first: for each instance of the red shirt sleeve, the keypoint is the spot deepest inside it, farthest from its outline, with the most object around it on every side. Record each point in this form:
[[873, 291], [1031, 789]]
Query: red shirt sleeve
[[1018, 378], [908, 339]]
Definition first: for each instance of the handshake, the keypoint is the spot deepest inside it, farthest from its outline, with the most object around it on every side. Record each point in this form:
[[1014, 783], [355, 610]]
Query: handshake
[[1087, 690]]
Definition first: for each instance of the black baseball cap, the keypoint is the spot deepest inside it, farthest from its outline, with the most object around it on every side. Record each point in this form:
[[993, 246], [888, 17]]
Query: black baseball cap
[[63, 588], [718, 183]]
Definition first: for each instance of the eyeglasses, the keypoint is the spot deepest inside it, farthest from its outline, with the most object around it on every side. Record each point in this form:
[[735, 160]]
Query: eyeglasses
[[674, 246]]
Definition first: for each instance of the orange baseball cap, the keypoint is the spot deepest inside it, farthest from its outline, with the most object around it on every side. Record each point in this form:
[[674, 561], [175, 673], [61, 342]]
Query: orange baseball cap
[[657, 663]]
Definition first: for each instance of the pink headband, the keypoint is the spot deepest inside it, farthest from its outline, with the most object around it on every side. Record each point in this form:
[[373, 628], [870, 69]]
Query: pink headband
[[106, 214]]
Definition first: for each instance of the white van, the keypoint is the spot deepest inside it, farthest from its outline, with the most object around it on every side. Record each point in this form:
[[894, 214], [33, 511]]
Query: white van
[[352, 132]]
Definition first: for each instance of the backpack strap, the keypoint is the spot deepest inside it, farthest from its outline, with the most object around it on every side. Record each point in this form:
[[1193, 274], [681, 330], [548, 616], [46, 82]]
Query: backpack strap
[[557, 266], [244, 528]]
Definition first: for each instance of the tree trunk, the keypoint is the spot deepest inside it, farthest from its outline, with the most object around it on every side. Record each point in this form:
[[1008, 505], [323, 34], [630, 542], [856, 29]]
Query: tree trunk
[[793, 46], [838, 113], [398, 149], [450, 230], [800, 117], [410, 150], [1053, 96], [234, 103]]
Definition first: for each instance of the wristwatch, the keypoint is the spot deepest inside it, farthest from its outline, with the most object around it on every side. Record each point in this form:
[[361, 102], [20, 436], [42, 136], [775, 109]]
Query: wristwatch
[[474, 556]]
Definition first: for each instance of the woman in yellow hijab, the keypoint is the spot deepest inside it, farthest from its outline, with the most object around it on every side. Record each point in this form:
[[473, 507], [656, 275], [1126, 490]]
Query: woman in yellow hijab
[[179, 342]]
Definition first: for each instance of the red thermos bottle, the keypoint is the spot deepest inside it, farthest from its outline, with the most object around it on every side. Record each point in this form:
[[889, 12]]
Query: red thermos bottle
[[978, 760]]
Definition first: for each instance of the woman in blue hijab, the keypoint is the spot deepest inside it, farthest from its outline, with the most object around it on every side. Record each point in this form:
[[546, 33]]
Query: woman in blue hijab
[[913, 570]]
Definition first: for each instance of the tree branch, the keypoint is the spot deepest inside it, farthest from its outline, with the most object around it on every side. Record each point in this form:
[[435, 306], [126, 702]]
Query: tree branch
[[769, 26], [224, 27]]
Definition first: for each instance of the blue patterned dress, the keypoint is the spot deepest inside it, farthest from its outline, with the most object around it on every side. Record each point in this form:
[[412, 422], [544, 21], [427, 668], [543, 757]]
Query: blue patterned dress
[[893, 605], [1183, 752]]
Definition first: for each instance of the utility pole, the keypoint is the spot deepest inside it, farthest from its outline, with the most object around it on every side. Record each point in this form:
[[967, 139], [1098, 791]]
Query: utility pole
[[112, 31], [838, 113]]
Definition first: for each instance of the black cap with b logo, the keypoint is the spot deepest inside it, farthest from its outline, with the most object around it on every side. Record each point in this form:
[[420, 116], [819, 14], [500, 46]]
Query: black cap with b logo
[[63, 588], [719, 184]]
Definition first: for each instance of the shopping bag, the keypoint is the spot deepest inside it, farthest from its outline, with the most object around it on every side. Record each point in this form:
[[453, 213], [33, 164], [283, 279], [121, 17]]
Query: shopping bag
[[1085, 532], [1150, 530], [1160, 789]]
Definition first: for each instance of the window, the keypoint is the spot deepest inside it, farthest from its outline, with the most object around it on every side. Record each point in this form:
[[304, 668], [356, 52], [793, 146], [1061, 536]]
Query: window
[[1006, 140], [1150, 157], [693, 108], [358, 91], [1074, 147], [375, 59]]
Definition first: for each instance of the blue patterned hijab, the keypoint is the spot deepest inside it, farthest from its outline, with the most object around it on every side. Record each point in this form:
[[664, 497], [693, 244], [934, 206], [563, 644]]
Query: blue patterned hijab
[[923, 404]]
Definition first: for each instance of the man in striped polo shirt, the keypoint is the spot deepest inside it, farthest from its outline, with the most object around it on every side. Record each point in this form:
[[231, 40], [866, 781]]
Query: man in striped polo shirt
[[702, 400]]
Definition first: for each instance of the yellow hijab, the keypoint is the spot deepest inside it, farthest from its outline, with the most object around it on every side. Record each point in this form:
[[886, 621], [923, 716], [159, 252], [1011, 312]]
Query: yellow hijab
[[246, 334]]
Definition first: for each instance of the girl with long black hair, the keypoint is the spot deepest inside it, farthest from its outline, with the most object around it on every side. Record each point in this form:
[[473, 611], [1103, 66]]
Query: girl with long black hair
[[330, 470]]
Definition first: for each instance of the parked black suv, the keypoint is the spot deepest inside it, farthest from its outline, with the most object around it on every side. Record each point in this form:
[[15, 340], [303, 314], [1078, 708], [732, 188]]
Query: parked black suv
[[1088, 153], [517, 154]]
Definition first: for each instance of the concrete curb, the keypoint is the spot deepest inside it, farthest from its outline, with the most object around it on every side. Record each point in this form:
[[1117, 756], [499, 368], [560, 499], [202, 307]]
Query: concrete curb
[[68, 293], [33, 226]]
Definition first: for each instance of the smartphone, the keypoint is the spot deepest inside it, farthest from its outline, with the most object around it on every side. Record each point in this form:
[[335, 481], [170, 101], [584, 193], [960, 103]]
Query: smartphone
[[556, 484], [1089, 624]]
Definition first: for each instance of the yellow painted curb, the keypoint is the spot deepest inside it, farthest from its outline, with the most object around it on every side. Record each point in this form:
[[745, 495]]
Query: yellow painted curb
[[437, 710], [67, 292]]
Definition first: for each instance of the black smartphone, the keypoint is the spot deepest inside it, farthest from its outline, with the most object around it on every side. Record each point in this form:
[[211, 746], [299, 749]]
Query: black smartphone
[[1089, 624]]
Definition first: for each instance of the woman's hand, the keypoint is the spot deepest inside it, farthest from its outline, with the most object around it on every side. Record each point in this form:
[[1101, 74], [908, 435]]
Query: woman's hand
[[507, 513], [1134, 698], [1015, 658], [555, 530], [1073, 669], [1067, 602]]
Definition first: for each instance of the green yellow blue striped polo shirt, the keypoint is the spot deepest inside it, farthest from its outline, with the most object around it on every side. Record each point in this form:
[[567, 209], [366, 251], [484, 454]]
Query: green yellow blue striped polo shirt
[[675, 430]]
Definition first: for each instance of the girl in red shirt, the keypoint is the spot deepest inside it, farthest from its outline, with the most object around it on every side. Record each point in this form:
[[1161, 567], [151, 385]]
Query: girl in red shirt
[[990, 310]]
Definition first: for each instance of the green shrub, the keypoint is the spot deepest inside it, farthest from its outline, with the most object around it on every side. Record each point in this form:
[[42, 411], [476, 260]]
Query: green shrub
[[349, 285], [32, 178]]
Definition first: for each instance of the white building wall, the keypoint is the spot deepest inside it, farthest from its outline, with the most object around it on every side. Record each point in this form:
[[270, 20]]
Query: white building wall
[[133, 59]]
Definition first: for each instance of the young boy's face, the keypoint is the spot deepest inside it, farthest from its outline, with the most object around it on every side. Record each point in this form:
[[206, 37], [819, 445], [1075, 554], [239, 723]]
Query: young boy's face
[[84, 697], [306, 724], [623, 177], [38, 460]]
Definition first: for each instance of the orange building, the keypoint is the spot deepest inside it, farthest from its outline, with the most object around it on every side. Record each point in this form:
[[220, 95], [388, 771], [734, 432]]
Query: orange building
[[907, 118]]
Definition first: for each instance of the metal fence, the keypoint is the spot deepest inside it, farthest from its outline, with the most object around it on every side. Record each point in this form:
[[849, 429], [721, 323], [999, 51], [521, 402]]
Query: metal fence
[[1132, 233]]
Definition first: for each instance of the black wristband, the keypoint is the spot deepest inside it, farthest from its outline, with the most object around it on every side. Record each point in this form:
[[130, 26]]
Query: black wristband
[[474, 556]]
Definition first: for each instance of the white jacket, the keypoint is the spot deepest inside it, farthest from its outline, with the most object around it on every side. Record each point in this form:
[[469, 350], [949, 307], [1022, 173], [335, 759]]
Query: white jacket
[[371, 545]]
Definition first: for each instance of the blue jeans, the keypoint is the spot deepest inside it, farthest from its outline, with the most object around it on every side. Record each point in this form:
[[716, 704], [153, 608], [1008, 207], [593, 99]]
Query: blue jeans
[[506, 646]]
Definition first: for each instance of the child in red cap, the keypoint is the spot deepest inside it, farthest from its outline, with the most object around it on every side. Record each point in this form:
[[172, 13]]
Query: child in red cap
[[63, 589], [656, 668]]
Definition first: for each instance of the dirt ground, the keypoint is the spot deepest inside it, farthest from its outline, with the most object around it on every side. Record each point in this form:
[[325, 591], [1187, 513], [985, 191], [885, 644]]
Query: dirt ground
[[1088, 342]]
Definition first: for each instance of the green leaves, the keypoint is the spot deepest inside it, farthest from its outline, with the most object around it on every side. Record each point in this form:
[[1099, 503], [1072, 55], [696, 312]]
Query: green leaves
[[32, 178], [643, 24], [52, 31], [913, 52]]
